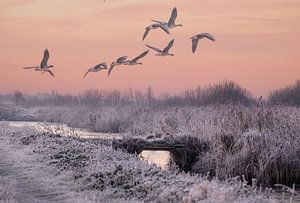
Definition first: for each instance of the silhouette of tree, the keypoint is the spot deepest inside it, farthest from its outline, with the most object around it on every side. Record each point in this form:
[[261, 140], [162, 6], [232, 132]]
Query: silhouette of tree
[[17, 96]]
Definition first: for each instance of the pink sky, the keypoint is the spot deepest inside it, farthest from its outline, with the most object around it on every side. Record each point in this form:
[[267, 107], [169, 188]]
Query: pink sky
[[258, 44]]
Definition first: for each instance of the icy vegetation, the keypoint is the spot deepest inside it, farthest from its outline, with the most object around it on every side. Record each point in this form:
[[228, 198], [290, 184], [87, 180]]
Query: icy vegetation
[[260, 142], [69, 169], [289, 95], [251, 143]]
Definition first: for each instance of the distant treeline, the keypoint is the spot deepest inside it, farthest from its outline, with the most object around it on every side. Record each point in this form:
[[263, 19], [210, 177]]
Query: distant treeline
[[226, 92], [289, 95]]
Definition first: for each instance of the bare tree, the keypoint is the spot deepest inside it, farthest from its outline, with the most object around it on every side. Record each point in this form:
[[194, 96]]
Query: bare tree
[[17, 96], [91, 98], [150, 96], [139, 98], [114, 97]]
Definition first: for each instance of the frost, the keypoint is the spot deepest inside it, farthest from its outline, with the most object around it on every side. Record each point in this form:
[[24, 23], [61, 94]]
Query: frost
[[94, 172], [247, 142]]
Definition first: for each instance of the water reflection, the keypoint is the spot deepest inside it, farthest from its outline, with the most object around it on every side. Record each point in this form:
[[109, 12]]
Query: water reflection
[[63, 129], [159, 158]]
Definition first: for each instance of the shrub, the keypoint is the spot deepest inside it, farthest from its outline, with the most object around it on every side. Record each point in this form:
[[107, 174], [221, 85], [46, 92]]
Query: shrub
[[289, 95], [226, 92], [261, 143]]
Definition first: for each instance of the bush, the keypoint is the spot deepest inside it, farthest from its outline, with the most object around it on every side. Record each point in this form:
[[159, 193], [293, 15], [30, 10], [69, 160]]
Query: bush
[[226, 92], [261, 143], [288, 96]]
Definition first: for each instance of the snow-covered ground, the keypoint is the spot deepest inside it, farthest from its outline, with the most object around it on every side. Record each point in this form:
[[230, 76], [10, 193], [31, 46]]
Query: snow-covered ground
[[24, 177], [41, 167]]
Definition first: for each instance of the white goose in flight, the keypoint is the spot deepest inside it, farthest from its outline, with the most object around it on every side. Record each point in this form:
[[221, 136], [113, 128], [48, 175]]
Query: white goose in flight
[[44, 64], [100, 66], [196, 38], [171, 23], [155, 26], [165, 51], [135, 60], [119, 61]]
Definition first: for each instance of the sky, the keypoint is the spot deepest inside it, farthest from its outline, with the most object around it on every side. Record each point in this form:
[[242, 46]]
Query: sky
[[257, 44]]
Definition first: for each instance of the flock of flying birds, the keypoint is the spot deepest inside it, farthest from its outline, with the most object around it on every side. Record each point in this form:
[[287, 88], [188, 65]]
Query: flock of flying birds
[[165, 26]]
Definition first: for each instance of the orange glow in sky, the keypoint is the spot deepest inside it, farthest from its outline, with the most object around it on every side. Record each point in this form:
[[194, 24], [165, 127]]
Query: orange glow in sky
[[257, 44]]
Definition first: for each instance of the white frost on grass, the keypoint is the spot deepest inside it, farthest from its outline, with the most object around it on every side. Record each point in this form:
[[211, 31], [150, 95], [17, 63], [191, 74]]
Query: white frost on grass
[[24, 177], [7, 192], [92, 171]]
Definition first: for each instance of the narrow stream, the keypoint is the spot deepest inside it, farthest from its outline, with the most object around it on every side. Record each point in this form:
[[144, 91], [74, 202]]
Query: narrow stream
[[63, 129], [159, 158]]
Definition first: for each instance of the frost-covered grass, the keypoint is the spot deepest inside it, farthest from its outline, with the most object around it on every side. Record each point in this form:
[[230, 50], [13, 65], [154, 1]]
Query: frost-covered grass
[[103, 174], [260, 142], [7, 191], [100, 120]]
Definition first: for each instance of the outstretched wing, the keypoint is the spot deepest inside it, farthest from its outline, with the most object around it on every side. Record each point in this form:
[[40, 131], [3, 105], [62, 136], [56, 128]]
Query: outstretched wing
[[89, 70], [173, 17], [208, 36], [194, 45], [31, 67], [147, 30], [163, 27], [45, 59], [111, 68], [160, 22], [168, 47], [140, 56], [154, 48]]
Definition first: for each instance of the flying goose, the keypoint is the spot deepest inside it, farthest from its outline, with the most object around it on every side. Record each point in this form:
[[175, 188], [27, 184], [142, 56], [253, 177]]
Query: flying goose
[[135, 60], [155, 26], [100, 66], [171, 23], [44, 67], [119, 61], [165, 51], [195, 39]]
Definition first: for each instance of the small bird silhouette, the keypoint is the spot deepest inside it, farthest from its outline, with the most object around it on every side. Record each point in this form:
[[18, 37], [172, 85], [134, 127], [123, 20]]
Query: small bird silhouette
[[100, 66], [196, 38], [165, 51], [135, 60], [44, 67], [171, 23], [119, 61], [155, 26]]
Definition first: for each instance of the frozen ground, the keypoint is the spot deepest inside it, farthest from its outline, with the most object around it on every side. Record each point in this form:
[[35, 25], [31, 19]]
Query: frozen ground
[[49, 168], [25, 178]]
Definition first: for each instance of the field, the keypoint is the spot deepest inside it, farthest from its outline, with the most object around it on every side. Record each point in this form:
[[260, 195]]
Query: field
[[251, 148], [45, 167]]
